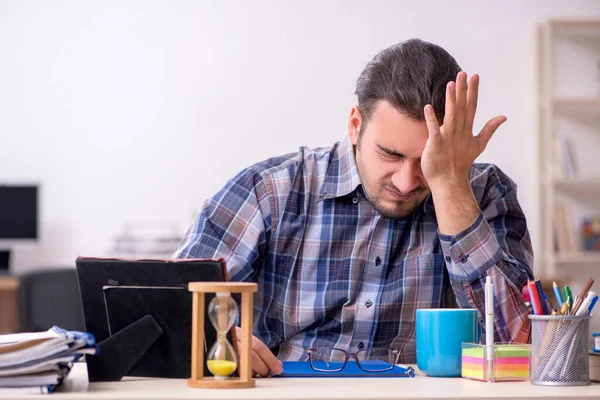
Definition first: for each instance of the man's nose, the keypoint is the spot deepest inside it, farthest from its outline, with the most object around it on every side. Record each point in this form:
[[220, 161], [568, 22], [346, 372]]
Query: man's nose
[[407, 178]]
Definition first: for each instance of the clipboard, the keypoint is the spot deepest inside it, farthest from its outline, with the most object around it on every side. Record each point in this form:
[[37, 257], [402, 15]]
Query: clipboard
[[302, 369]]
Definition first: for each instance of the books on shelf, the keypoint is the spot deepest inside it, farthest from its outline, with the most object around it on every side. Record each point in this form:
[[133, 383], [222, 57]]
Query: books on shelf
[[564, 236], [591, 233], [41, 361], [564, 156], [563, 230]]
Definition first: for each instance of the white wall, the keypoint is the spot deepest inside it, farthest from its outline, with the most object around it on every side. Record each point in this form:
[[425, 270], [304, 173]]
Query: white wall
[[139, 110]]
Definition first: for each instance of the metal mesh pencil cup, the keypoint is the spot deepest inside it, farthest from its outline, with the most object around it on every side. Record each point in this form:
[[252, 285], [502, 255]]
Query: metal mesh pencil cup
[[559, 350]]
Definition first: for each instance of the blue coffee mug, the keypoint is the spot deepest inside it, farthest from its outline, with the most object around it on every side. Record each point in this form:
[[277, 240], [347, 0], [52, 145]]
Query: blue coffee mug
[[440, 332]]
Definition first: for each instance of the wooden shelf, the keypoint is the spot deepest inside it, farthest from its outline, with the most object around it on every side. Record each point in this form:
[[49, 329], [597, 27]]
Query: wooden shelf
[[584, 190], [576, 28], [577, 182], [588, 258], [9, 283], [578, 187], [583, 106], [583, 25]]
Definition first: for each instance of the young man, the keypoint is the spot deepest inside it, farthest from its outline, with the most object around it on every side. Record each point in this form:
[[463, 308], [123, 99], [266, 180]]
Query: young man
[[347, 242]]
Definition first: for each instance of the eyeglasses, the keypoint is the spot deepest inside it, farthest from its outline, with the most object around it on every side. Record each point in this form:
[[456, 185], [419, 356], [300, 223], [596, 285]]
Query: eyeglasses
[[373, 359]]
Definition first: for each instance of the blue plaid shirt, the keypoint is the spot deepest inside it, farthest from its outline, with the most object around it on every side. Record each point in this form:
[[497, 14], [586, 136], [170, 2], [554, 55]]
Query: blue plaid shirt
[[332, 272]]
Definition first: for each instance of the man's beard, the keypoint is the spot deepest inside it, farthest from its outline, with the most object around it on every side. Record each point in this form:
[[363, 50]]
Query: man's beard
[[401, 208]]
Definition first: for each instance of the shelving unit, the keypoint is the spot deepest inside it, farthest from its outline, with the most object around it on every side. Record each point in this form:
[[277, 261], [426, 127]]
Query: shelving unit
[[577, 105], [568, 67], [578, 258]]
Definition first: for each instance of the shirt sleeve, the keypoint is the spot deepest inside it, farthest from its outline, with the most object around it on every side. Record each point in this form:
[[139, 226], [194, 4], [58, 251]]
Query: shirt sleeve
[[497, 244], [233, 225]]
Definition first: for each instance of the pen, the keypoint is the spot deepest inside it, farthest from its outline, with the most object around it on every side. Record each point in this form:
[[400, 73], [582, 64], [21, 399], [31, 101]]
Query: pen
[[489, 323], [535, 299], [585, 304], [547, 303], [544, 309], [557, 294], [582, 294], [568, 294], [592, 304]]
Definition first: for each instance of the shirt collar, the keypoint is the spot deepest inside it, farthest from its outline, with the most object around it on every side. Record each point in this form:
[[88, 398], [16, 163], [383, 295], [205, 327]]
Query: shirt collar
[[342, 176], [428, 207]]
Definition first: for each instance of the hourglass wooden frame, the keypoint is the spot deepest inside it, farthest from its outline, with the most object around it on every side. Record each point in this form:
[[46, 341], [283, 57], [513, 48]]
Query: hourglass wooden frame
[[197, 379]]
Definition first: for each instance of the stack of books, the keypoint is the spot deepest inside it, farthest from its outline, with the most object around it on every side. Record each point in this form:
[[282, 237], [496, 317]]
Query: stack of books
[[594, 366], [40, 361]]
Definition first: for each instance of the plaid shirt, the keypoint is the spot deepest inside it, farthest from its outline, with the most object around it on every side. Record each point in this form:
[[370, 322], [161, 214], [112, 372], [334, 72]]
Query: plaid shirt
[[332, 272]]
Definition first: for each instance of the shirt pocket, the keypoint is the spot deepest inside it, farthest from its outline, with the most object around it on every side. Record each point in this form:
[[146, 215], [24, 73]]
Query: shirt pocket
[[423, 278]]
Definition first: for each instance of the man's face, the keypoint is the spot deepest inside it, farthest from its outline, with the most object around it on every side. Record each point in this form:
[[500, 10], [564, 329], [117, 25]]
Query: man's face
[[388, 156]]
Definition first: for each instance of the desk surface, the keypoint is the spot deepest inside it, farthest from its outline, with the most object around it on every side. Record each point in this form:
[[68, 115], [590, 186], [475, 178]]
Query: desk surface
[[420, 387]]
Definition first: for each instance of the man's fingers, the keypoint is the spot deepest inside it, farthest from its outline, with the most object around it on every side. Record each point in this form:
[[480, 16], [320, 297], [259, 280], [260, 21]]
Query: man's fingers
[[258, 366], [267, 357], [450, 114], [488, 130], [431, 121], [472, 95], [461, 103], [263, 360]]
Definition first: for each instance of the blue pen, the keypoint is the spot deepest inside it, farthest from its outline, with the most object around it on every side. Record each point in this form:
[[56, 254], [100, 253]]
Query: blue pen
[[542, 297], [594, 300], [546, 304], [557, 294]]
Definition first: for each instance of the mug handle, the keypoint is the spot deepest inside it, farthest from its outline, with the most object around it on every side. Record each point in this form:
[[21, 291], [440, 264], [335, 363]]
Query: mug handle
[[478, 333]]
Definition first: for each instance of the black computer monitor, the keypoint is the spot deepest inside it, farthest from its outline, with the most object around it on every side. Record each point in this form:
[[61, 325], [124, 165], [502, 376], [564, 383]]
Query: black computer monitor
[[18, 218], [140, 312]]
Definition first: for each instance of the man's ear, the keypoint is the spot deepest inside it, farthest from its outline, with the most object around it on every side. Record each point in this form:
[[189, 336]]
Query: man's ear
[[354, 123]]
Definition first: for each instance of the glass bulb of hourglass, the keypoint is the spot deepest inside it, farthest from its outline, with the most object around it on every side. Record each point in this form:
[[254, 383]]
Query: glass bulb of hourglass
[[221, 359]]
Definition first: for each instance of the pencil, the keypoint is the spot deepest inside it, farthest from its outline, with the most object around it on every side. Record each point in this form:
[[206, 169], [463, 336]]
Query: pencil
[[557, 294], [535, 298], [582, 294], [564, 310]]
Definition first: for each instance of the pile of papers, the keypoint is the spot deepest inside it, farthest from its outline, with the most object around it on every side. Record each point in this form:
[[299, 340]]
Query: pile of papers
[[41, 360]]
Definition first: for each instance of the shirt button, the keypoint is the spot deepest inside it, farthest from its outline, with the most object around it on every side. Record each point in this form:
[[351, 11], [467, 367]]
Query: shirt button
[[463, 259], [361, 346], [448, 259], [355, 200], [368, 303], [377, 261]]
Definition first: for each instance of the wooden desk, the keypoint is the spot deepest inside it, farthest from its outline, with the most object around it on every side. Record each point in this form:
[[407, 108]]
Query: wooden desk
[[420, 387], [9, 311]]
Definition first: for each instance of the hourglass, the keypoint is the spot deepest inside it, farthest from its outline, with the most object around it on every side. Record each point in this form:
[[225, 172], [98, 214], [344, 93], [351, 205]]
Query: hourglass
[[221, 360]]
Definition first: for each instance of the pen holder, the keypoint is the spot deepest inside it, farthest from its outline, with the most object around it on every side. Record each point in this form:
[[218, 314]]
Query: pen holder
[[560, 350], [510, 362]]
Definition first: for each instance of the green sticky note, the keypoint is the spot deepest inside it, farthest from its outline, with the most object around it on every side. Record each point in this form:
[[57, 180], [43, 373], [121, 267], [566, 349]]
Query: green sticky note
[[501, 351]]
